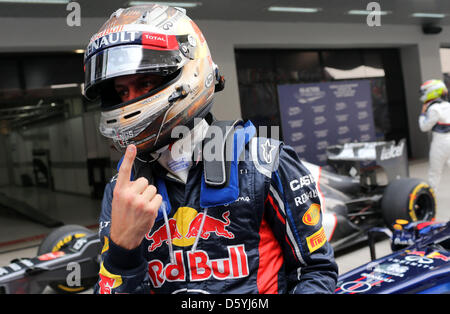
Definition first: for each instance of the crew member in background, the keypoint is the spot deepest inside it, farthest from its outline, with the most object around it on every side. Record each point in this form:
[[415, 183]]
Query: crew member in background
[[172, 220], [435, 116]]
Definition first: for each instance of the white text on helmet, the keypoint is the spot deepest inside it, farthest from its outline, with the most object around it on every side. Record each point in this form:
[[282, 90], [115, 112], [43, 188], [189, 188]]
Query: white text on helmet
[[110, 39]]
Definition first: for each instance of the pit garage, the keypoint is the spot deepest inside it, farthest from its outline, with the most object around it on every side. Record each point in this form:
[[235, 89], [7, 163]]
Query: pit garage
[[338, 82]]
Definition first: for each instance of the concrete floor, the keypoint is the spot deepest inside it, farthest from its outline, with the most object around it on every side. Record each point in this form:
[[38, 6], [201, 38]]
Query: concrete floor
[[20, 237]]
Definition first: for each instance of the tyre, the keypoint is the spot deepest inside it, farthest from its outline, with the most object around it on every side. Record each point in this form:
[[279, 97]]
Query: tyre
[[410, 199], [59, 239]]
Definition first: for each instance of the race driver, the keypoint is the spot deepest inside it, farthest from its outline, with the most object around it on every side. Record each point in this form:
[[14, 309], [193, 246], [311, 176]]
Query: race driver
[[174, 220], [435, 116]]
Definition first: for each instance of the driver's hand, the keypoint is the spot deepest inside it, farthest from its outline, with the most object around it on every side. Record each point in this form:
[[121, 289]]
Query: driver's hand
[[135, 205]]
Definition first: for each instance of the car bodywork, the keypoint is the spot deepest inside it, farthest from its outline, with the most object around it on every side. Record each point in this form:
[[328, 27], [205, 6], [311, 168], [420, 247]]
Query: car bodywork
[[419, 264], [77, 260], [352, 191]]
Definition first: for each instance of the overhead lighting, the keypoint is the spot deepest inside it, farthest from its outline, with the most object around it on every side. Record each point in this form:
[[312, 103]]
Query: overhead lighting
[[293, 9], [170, 4], [430, 15], [79, 50], [367, 12], [70, 85], [361, 71], [36, 1]]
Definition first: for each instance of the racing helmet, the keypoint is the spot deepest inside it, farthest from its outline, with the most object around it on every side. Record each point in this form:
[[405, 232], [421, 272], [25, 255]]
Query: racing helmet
[[158, 40], [433, 89]]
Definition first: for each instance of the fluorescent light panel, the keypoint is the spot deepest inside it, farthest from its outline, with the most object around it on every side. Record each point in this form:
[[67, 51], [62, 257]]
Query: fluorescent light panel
[[171, 4], [366, 12], [431, 15], [293, 9], [36, 1], [70, 85]]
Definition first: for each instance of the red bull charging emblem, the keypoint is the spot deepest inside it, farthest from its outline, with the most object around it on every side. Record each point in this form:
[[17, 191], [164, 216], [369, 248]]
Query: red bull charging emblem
[[185, 226]]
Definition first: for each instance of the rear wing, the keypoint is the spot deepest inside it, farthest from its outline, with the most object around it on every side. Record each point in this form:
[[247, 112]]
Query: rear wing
[[357, 159]]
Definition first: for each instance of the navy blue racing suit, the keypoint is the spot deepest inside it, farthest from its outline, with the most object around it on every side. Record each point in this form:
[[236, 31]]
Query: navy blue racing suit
[[262, 233]]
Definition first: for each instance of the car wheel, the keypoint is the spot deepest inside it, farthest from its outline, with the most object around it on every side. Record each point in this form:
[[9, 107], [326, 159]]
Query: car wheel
[[59, 239], [408, 198]]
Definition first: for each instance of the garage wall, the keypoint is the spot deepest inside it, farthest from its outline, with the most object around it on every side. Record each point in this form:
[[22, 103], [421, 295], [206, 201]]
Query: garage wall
[[420, 52], [68, 156], [96, 145], [21, 152], [70, 144], [65, 143], [6, 173]]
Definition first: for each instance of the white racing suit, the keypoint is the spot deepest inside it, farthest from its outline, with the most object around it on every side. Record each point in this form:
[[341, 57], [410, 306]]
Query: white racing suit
[[437, 119]]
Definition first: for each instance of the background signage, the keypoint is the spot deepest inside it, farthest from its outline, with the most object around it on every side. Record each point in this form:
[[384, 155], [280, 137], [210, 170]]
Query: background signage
[[315, 116]]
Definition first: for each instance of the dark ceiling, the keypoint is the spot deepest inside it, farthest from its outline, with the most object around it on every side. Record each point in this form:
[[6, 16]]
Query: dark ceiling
[[333, 11]]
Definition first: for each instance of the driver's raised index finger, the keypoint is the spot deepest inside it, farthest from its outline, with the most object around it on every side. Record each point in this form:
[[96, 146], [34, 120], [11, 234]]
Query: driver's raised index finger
[[126, 166]]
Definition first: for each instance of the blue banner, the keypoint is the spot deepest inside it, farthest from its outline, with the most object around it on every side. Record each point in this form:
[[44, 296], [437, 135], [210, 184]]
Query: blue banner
[[315, 116]]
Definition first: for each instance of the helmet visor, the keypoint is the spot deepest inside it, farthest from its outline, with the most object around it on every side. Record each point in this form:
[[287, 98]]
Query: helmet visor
[[125, 60]]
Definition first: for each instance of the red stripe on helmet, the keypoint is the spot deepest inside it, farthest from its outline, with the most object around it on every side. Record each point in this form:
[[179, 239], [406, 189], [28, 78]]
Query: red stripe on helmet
[[155, 40]]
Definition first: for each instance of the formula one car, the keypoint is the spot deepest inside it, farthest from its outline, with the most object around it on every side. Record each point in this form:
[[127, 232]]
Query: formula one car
[[420, 263], [367, 185], [67, 261]]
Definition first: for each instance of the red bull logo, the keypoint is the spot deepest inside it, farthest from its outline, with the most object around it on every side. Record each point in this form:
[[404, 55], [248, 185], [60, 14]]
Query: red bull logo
[[108, 281], [438, 255], [160, 236], [185, 227], [427, 258], [210, 225], [200, 267]]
